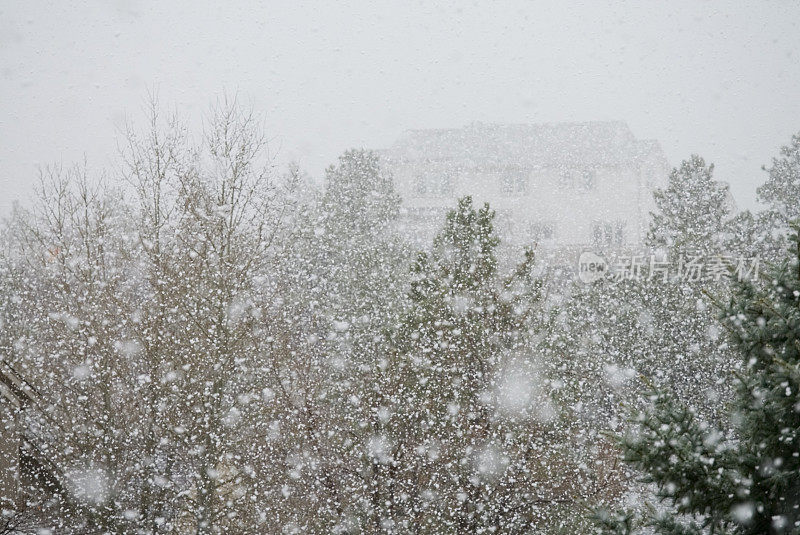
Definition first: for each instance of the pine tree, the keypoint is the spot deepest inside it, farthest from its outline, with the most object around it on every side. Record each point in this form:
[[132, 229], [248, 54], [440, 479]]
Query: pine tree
[[781, 191], [747, 238], [344, 262], [741, 480], [465, 436], [692, 210], [342, 279], [764, 234], [621, 338], [653, 328], [781, 195]]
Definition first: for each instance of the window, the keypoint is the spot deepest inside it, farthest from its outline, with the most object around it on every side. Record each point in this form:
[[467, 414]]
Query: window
[[542, 231], [619, 234], [446, 182], [587, 180], [607, 233], [565, 179], [434, 184], [420, 186], [515, 180], [578, 179]]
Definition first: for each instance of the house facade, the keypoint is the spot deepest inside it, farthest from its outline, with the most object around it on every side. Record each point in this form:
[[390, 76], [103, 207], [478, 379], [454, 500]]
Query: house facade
[[556, 186]]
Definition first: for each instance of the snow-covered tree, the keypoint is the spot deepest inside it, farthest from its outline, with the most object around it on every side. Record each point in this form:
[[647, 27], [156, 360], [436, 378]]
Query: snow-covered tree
[[692, 211], [143, 321], [748, 236], [64, 307], [465, 437], [654, 326], [764, 234], [781, 191], [345, 262], [616, 338], [341, 281], [768, 230], [743, 479]]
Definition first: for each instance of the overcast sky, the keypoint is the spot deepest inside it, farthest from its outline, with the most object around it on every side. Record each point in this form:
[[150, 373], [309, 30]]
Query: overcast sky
[[718, 79]]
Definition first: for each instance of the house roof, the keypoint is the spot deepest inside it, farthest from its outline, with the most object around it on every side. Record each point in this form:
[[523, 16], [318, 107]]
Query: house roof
[[528, 145]]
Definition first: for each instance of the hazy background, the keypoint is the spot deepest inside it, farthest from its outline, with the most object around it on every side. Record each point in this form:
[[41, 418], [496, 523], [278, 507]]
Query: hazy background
[[720, 79]]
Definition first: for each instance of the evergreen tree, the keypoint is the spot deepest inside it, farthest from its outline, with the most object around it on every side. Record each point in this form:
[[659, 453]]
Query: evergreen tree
[[742, 480], [781, 195], [747, 237], [620, 338], [465, 437], [692, 211], [765, 233], [654, 326], [342, 279], [781, 191], [344, 263]]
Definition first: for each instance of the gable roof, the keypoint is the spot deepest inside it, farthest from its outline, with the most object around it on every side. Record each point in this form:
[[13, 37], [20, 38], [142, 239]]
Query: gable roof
[[527, 145]]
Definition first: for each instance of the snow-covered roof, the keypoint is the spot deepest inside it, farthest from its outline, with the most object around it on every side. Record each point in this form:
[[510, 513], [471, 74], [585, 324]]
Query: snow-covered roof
[[529, 145]]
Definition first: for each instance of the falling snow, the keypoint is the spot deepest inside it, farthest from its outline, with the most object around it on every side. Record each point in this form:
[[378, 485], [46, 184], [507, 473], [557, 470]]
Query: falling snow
[[492, 327]]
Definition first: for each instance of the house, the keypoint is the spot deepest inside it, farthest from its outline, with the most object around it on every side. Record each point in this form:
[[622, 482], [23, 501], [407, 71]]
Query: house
[[564, 185]]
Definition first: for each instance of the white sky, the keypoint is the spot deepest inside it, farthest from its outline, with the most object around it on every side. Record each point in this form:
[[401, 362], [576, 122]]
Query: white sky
[[719, 79]]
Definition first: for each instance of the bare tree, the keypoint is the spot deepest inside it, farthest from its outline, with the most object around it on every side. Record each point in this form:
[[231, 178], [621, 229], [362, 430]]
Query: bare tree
[[140, 313]]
